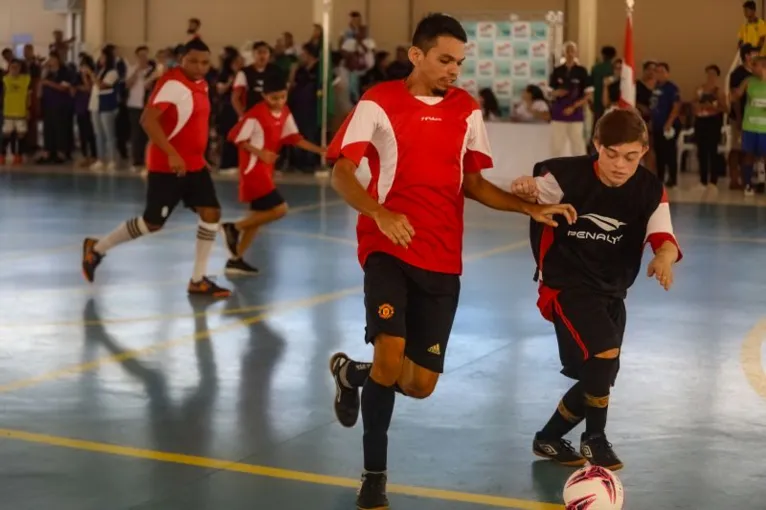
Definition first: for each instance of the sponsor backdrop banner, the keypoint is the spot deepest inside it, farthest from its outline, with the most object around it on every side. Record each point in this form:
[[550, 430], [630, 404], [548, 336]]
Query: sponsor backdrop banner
[[505, 56]]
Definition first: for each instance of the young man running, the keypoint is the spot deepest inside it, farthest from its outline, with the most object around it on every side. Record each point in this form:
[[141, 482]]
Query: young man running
[[585, 270], [260, 135], [176, 119], [426, 144]]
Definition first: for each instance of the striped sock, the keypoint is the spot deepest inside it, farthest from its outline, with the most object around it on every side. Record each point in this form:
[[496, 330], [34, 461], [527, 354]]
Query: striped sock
[[127, 231], [205, 239]]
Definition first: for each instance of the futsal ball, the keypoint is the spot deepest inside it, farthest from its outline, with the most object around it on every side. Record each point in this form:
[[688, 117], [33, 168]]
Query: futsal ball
[[593, 488]]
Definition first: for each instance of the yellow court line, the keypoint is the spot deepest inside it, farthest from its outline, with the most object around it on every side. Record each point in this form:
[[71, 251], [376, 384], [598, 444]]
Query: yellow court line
[[202, 335], [270, 472], [751, 358], [162, 346]]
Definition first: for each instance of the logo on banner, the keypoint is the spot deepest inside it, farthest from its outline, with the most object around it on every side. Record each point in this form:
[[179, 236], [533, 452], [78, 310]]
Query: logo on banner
[[503, 31], [471, 49], [503, 88], [486, 30], [469, 69], [521, 70], [503, 68], [486, 49], [503, 49], [539, 31], [470, 28], [521, 30], [539, 50], [471, 86], [521, 50], [486, 68]]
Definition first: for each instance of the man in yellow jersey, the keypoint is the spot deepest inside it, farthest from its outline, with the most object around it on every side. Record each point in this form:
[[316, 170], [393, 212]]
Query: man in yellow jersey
[[753, 30], [16, 102]]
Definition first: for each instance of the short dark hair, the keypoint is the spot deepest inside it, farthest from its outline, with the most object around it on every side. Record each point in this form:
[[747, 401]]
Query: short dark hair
[[257, 45], [355, 14], [274, 82], [621, 126], [608, 52], [195, 45], [713, 67], [142, 48], [665, 65], [196, 21], [434, 26], [649, 63], [750, 4], [746, 49], [311, 49]]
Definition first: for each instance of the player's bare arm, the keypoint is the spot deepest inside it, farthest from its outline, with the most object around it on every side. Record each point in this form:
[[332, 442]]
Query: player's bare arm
[[308, 146], [661, 266], [477, 188], [395, 226], [264, 155], [150, 121]]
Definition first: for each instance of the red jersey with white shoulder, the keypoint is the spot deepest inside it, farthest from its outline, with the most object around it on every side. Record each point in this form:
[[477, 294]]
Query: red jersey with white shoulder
[[418, 149], [265, 130], [185, 119], [602, 251]]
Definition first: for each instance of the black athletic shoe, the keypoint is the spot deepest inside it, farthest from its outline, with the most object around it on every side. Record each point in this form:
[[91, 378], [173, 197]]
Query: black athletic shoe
[[372, 493], [231, 236], [90, 259], [598, 451], [239, 266], [346, 403], [557, 450], [207, 287]]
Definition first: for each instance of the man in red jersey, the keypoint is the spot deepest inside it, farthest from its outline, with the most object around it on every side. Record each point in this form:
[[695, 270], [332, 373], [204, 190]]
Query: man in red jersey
[[426, 144], [176, 119], [260, 135]]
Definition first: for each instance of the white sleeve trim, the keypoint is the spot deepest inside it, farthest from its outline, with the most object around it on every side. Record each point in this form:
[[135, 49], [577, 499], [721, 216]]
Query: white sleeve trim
[[548, 189]]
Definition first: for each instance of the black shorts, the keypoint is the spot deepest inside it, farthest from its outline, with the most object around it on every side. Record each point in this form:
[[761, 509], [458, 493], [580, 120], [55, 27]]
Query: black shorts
[[411, 303], [267, 202], [586, 324], [166, 190]]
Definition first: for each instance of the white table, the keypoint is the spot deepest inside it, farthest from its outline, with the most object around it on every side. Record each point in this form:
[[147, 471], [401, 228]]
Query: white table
[[515, 150]]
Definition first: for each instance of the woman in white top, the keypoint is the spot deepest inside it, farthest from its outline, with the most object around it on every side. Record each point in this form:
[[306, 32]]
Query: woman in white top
[[533, 106], [103, 108]]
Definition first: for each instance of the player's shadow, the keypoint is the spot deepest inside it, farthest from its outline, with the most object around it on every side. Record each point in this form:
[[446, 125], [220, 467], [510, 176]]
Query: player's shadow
[[264, 350], [184, 426], [548, 480]]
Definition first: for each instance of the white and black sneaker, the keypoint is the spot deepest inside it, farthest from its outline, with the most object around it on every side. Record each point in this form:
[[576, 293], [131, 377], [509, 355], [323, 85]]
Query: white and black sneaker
[[598, 451], [557, 450], [346, 403], [239, 266]]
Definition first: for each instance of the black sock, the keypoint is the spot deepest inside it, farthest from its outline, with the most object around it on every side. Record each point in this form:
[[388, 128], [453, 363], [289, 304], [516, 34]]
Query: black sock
[[21, 146], [569, 413], [377, 408], [595, 414], [353, 374]]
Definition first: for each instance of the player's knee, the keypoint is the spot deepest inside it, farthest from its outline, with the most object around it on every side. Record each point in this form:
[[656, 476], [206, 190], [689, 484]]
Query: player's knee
[[209, 214], [154, 225], [280, 211], [388, 359], [420, 385], [609, 354]]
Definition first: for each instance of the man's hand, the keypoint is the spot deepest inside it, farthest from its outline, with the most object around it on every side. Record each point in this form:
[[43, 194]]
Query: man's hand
[[395, 226], [661, 267], [544, 213], [525, 188], [268, 157], [569, 110], [177, 164]]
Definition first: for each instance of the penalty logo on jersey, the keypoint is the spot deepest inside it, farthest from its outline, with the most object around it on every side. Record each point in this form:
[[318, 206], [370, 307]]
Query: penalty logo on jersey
[[605, 223]]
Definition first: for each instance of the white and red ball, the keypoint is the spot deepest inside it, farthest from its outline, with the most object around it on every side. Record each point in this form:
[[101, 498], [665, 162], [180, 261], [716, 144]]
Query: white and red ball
[[593, 488]]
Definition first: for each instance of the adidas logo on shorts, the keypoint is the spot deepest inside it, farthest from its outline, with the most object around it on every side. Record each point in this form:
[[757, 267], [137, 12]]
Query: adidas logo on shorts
[[435, 349]]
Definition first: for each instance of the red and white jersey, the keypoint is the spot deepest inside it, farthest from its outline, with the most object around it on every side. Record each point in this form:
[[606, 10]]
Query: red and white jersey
[[185, 119], [418, 150], [264, 130]]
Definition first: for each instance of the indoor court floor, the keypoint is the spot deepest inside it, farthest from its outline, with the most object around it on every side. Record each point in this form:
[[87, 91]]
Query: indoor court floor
[[129, 395]]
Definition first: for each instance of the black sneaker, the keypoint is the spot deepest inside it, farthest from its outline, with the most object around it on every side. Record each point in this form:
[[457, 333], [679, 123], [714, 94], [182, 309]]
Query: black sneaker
[[231, 237], [598, 451], [557, 450], [239, 266], [207, 287], [372, 493], [90, 259], [346, 403]]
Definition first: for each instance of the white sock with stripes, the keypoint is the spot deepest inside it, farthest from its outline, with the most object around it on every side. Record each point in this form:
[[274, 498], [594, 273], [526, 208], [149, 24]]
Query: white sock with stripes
[[205, 239], [127, 231]]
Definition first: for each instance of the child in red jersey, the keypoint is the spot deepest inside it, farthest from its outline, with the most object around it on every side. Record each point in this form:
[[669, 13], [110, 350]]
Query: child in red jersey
[[259, 135]]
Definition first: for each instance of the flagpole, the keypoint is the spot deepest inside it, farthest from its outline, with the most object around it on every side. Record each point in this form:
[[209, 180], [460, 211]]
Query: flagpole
[[628, 77]]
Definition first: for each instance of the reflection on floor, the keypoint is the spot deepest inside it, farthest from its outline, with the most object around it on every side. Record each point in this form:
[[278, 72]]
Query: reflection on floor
[[127, 394]]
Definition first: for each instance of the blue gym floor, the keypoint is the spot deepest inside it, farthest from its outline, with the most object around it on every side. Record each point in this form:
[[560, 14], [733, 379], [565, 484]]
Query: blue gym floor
[[126, 394]]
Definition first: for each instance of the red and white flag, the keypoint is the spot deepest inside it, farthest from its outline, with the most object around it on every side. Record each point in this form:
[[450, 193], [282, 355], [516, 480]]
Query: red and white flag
[[628, 78]]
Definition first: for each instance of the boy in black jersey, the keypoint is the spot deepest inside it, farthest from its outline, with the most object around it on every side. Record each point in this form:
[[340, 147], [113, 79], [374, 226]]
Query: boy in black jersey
[[586, 268]]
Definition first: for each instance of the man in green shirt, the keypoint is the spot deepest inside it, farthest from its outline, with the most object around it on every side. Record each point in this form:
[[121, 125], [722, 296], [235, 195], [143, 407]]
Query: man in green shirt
[[754, 121], [598, 74]]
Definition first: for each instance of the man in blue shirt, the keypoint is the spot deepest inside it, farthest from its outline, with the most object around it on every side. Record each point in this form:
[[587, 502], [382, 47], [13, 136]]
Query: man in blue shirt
[[572, 90], [666, 127]]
